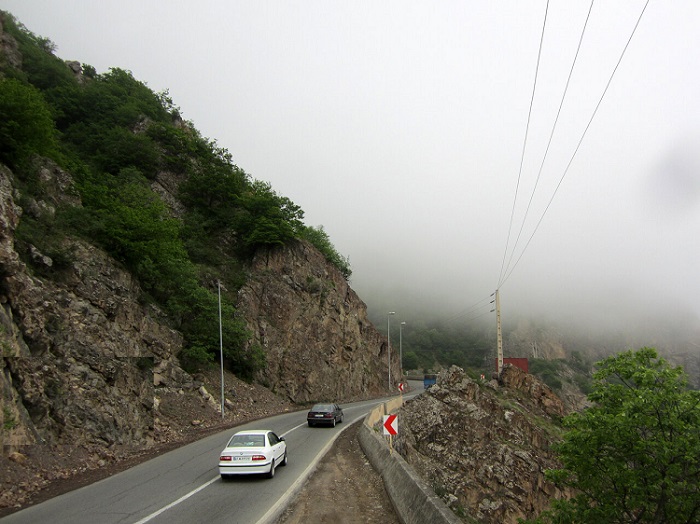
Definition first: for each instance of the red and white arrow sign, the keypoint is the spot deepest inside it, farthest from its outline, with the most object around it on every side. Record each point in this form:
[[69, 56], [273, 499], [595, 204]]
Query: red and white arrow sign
[[391, 424], [402, 387]]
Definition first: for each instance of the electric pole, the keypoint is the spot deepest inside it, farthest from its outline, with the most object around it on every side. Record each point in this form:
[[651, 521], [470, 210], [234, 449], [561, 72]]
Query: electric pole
[[499, 336]]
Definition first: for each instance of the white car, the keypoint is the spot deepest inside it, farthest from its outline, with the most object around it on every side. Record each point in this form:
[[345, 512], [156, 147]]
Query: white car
[[253, 451]]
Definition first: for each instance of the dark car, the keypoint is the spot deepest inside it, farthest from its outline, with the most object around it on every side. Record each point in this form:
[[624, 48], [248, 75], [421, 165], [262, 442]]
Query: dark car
[[328, 414]]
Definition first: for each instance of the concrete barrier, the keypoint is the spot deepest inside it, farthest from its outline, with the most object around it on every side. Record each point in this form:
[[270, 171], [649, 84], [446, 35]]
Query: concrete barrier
[[375, 416], [414, 501]]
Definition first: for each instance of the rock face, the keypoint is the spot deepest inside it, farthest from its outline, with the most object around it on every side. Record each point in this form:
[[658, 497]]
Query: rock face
[[86, 363], [484, 447], [77, 355], [319, 343], [530, 339]]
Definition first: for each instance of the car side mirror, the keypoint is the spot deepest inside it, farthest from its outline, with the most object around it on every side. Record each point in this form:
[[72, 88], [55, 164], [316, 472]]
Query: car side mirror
[[282, 439]]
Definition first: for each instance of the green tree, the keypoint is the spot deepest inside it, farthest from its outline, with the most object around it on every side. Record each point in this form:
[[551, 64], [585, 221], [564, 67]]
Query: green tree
[[26, 124], [128, 219], [213, 192], [410, 360], [267, 219], [200, 324], [320, 239], [634, 456]]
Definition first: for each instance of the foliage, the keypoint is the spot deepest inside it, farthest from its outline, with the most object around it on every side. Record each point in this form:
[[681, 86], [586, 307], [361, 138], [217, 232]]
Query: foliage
[[212, 193], [266, 219], [26, 124], [116, 98], [39, 65], [436, 345], [634, 457], [126, 218], [548, 371], [9, 420], [410, 360], [320, 239], [102, 123], [200, 307]]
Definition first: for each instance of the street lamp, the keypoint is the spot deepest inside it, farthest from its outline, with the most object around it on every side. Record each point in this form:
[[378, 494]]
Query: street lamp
[[388, 343], [401, 347], [221, 352]]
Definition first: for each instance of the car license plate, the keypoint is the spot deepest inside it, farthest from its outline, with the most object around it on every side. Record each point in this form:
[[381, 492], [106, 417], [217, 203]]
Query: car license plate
[[240, 458], [318, 416]]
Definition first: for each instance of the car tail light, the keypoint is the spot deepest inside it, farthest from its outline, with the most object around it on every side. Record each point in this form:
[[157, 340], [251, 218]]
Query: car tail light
[[328, 415], [225, 458], [258, 457]]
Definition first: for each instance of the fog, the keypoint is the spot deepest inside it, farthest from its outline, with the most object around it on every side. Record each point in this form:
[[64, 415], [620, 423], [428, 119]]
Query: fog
[[410, 132]]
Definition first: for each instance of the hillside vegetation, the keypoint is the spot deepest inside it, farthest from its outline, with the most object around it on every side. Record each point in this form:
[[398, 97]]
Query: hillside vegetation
[[119, 141]]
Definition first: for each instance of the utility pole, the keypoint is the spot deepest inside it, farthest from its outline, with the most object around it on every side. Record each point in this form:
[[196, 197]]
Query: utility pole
[[499, 336], [401, 346], [221, 352], [388, 343]]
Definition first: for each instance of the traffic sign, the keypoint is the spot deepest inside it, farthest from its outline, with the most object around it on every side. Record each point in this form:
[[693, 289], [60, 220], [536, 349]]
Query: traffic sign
[[402, 387], [391, 424]]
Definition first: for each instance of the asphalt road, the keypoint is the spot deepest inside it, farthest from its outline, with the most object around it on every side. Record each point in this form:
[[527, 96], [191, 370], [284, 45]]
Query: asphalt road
[[183, 485]]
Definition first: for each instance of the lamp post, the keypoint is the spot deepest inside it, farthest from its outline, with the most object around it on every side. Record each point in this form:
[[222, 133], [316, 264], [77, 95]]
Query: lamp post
[[401, 347], [388, 343], [221, 352]]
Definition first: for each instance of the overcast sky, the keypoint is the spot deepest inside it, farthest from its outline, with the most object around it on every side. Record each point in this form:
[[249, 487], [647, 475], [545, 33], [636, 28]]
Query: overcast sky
[[400, 127]]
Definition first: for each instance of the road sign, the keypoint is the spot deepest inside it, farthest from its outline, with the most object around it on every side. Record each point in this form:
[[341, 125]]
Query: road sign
[[402, 387], [391, 425]]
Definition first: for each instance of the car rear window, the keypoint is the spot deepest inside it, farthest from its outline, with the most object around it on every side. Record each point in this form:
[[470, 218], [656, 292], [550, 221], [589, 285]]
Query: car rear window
[[241, 441]]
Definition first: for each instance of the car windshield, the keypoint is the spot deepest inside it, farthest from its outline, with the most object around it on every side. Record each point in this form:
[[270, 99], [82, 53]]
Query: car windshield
[[322, 407], [244, 441]]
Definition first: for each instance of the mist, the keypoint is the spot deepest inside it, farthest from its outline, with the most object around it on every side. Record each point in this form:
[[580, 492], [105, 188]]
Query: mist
[[437, 155]]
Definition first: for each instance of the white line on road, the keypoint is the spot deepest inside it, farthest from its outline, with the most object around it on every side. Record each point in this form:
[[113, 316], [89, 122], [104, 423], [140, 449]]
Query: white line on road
[[172, 504]]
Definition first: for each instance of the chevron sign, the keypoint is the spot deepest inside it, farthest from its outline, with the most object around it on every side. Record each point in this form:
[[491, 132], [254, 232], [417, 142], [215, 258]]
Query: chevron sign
[[391, 424]]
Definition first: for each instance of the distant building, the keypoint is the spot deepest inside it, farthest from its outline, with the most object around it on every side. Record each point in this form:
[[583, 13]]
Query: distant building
[[517, 362]]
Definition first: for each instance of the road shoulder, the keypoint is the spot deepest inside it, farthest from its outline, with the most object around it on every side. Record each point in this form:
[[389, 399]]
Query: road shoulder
[[344, 489]]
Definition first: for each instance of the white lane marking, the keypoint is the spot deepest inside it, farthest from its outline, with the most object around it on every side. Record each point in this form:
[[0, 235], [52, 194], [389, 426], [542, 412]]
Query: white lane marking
[[293, 429], [175, 503], [195, 491]]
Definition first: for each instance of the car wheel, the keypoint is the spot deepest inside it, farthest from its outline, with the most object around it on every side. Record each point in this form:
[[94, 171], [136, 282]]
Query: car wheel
[[341, 418], [284, 459], [272, 469], [310, 424], [333, 424], [224, 478]]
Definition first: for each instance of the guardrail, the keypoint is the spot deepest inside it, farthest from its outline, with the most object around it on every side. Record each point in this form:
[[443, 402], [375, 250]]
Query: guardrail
[[414, 501]]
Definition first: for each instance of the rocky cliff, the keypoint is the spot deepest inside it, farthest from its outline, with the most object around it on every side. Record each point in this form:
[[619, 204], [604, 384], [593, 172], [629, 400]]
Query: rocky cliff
[[314, 329], [484, 446]]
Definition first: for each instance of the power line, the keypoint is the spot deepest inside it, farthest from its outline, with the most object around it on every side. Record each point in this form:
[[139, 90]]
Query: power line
[[474, 307], [471, 319], [595, 111], [549, 143], [527, 130]]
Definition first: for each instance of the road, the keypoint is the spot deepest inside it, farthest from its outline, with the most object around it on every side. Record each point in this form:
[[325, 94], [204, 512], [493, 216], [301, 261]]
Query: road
[[183, 485]]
